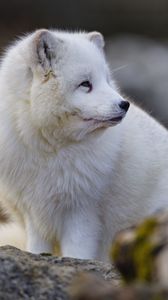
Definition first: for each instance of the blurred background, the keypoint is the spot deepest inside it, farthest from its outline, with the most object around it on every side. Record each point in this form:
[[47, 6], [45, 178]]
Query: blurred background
[[136, 34]]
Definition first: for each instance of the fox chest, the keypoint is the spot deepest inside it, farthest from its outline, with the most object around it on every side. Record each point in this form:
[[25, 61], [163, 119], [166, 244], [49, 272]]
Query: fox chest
[[66, 184]]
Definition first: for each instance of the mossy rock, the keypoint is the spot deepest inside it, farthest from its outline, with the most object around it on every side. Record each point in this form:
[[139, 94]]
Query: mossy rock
[[135, 251]]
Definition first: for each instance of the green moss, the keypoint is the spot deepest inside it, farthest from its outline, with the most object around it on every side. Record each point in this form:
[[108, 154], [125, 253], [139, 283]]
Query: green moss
[[144, 250], [134, 259], [115, 251], [45, 254], [146, 228]]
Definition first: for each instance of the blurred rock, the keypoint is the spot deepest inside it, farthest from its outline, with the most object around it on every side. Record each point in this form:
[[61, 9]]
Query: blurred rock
[[140, 66], [91, 287], [141, 252], [27, 276]]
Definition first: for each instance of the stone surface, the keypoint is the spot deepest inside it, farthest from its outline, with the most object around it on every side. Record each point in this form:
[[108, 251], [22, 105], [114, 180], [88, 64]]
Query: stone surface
[[45, 277], [27, 276], [89, 287]]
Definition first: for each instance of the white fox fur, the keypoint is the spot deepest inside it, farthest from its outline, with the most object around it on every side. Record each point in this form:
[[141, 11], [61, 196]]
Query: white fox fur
[[65, 170]]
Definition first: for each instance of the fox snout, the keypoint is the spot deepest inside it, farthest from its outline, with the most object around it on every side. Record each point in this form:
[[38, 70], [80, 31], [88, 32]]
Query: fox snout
[[124, 105]]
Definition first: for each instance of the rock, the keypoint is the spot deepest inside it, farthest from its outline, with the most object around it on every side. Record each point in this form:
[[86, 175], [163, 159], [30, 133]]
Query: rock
[[28, 276], [90, 287], [141, 252]]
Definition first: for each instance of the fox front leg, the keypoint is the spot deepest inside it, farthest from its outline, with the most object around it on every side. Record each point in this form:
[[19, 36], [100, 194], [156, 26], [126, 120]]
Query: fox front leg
[[35, 243], [80, 236]]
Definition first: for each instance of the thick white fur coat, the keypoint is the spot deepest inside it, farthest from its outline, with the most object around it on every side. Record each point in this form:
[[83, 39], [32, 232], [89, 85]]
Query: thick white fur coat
[[68, 169]]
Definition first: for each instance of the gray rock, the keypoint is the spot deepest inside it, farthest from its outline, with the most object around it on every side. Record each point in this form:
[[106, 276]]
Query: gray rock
[[27, 276], [88, 287]]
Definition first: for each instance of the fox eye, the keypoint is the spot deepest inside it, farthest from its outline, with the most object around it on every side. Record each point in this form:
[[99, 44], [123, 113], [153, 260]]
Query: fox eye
[[86, 86]]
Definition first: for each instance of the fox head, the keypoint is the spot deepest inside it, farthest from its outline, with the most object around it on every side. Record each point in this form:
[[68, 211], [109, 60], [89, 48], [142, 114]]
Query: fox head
[[62, 84]]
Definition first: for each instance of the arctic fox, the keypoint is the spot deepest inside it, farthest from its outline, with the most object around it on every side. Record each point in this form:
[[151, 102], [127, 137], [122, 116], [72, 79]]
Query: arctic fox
[[76, 162]]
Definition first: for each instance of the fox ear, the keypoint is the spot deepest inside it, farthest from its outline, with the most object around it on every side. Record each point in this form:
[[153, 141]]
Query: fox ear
[[97, 38], [47, 46]]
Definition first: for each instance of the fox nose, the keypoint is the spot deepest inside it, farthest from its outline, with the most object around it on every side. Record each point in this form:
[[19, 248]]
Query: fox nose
[[124, 105]]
